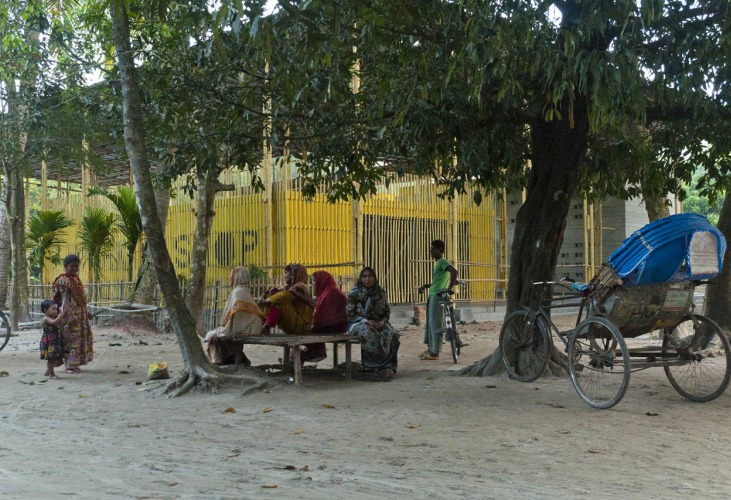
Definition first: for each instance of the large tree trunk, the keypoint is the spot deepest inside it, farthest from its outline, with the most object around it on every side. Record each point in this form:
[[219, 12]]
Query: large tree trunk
[[195, 298], [718, 292], [4, 246], [656, 206], [558, 151], [198, 370], [144, 290]]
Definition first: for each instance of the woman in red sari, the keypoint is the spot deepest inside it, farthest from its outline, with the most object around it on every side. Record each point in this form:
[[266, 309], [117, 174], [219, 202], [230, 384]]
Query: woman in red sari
[[329, 315], [75, 326]]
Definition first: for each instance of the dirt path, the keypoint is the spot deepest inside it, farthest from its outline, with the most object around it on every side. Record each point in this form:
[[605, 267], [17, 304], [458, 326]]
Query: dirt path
[[426, 434]]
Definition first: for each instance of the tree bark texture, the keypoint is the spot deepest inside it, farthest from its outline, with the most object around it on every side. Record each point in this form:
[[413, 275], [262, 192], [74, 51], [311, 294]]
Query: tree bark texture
[[656, 206], [718, 292], [19, 266], [181, 320], [206, 195], [4, 246], [144, 290], [558, 151]]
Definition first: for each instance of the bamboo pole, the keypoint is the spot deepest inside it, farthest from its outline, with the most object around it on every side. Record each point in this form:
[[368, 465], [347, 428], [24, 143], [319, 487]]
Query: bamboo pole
[[268, 180], [44, 185]]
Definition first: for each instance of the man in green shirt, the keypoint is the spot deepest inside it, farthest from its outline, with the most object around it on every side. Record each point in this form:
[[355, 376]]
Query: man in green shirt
[[443, 276]]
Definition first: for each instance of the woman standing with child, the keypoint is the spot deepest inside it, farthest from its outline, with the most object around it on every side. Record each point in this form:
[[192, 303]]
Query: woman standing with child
[[75, 326]]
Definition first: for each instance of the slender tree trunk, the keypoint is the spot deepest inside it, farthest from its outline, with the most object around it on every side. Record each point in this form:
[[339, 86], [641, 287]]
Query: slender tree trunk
[[198, 370], [19, 263], [144, 290], [4, 246], [195, 298], [558, 151], [718, 292], [180, 318]]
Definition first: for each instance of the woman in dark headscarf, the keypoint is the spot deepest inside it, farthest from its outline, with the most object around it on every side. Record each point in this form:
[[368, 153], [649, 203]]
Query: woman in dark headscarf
[[368, 315]]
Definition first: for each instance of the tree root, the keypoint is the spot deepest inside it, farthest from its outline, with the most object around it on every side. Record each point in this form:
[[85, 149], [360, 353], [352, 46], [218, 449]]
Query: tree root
[[210, 379], [492, 365]]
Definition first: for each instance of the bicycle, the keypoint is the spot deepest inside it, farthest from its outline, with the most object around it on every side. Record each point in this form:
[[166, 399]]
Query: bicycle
[[450, 325], [526, 334], [4, 330]]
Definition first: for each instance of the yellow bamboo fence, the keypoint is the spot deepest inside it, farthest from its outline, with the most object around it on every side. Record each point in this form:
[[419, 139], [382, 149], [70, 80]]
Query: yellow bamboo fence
[[389, 231]]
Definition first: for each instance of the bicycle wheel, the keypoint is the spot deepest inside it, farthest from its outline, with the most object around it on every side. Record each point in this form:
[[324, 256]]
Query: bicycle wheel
[[524, 343], [599, 363], [4, 330], [698, 359], [454, 338]]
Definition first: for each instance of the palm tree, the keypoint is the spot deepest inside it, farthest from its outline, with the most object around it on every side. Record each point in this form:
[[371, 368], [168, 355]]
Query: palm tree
[[130, 224], [96, 237], [45, 236]]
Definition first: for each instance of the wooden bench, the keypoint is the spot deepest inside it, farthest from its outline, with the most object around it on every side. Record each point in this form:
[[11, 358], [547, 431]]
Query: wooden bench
[[299, 343]]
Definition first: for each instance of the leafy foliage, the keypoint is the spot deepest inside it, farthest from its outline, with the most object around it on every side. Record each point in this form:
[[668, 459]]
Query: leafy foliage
[[96, 237], [130, 221], [45, 236]]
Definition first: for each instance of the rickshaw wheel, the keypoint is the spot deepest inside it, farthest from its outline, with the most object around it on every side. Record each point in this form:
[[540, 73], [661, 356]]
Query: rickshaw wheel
[[524, 344], [705, 357], [599, 363]]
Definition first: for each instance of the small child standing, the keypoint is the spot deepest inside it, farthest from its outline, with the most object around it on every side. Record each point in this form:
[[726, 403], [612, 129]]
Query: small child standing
[[51, 343]]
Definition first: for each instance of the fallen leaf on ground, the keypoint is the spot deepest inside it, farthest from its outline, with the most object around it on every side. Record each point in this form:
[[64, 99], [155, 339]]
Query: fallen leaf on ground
[[557, 406], [328, 406], [270, 486], [413, 426], [431, 378], [386, 438], [651, 414], [306, 468], [115, 345], [82, 396], [143, 343], [290, 467], [170, 485], [298, 431], [4, 374], [229, 410], [266, 410], [139, 382], [490, 386], [592, 450], [42, 381], [124, 372]]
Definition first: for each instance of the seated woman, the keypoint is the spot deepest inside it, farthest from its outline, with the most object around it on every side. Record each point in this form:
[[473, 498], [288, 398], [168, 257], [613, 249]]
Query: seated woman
[[368, 315], [291, 310], [241, 318], [330, 314]]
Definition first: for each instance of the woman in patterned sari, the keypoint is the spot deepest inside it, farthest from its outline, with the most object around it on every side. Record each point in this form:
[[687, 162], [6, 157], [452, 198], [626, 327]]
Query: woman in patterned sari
[[241, 318], [75, 327], [291, 310], [368, 315]]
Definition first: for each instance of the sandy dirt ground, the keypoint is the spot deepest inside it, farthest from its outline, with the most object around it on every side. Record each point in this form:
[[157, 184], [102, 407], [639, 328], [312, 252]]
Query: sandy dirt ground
[[426, 434]]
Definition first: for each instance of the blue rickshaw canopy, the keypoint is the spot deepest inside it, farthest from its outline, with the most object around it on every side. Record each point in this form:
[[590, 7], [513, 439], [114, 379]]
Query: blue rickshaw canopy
[[681, 247]]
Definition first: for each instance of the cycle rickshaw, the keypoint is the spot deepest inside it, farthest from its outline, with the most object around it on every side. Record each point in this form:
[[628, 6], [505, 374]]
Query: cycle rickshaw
[[647, 286]]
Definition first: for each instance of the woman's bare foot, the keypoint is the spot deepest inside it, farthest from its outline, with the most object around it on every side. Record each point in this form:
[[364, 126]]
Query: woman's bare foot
[[47, 374], [53, 375]]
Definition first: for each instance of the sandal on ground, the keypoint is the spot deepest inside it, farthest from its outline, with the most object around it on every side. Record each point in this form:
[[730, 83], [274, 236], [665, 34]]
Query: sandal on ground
[[429, 356], [425, 353], [387, 374]]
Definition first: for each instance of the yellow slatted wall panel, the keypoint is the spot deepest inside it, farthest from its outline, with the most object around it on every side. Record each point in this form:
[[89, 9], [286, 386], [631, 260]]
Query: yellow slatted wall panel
[[399, 222]]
